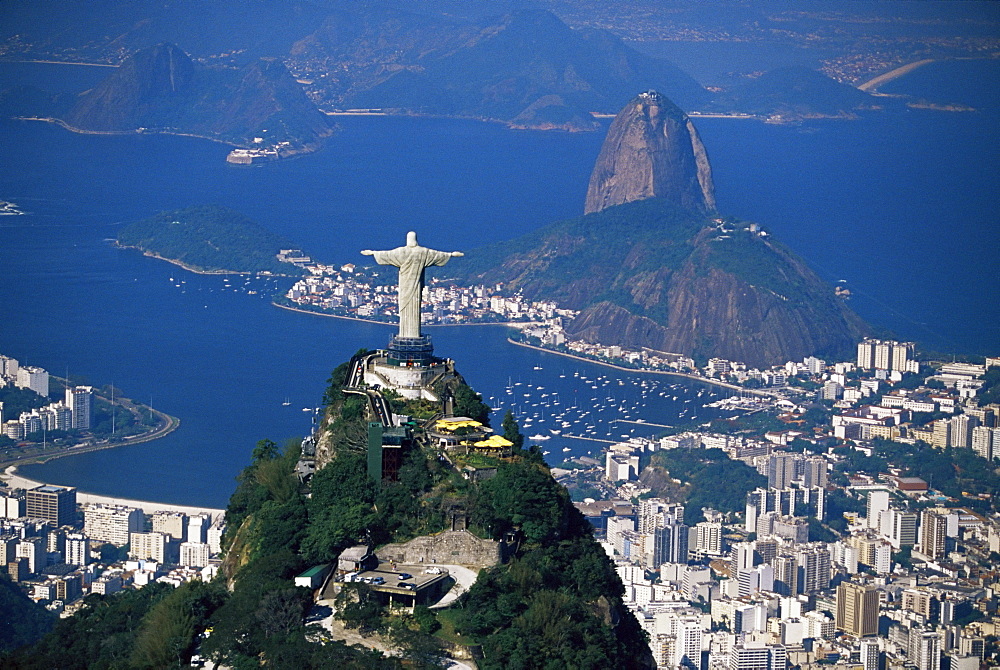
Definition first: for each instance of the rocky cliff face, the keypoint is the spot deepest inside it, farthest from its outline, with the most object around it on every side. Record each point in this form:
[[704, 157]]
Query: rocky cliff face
[[713, 310], [652, 151]]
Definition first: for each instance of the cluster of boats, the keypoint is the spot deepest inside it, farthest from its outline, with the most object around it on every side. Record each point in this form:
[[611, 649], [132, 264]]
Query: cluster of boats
[[580, 410]]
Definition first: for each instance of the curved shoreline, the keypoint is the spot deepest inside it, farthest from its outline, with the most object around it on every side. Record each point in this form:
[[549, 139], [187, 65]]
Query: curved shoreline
[[706, 380], [169, 425], [191, 268], [149, 131], [508, 324], [15, 480]]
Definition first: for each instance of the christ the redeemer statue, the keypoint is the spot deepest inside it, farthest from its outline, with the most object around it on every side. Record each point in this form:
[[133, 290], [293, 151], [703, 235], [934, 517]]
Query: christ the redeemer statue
[[411, 260]]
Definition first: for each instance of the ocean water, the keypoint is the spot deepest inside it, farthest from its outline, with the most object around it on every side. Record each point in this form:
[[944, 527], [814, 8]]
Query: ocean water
[[901, 208]]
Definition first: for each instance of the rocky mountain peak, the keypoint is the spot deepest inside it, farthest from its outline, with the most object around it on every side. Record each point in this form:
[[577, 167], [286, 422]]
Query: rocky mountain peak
[[652, 151]]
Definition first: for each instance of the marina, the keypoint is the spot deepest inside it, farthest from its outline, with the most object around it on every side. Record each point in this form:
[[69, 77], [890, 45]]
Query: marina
[[578, 411]]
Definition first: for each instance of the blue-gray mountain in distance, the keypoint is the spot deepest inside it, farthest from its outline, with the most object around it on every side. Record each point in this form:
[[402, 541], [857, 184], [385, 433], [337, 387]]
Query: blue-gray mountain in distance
[[161, 89]]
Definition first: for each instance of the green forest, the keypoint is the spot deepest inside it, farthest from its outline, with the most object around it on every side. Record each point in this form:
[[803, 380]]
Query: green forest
[[209, 238], [550, 604]]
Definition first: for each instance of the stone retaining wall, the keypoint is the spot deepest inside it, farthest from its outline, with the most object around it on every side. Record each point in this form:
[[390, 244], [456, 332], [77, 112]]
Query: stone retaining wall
[[454, 546]]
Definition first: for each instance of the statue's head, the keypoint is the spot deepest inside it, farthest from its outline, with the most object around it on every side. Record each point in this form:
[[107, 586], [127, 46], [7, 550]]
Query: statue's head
[[411, 239]]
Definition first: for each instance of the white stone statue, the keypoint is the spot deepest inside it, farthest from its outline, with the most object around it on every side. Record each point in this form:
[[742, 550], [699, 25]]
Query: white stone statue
[[411, 260]]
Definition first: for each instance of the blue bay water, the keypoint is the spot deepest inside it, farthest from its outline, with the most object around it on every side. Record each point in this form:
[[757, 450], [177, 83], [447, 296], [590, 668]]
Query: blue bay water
[[900, 207]]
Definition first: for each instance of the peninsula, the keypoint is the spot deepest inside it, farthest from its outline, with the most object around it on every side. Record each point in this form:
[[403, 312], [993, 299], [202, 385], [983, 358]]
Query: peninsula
[[211, 239]]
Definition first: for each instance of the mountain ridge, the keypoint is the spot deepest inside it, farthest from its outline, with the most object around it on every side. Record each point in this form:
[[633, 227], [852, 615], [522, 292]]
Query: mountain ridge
[[651, 274], [160, 89]]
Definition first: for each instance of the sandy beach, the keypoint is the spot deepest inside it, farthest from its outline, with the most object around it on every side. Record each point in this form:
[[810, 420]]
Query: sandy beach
[[16, 481]]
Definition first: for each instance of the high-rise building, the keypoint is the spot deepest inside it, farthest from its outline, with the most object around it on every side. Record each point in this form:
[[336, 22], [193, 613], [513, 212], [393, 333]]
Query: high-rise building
[[617, 527], [670, 543], [869, 656], [215, 533], [677, 640], [55, 504], [924, 648], [883, 355], [198, 527], [173, 524], [741, 557], [754, 655], [36, 379], [899, 527], [33, 549], [857, 609], [111, 523], [866, 354], [9, 367], [961, 430], [194, 554], [878, 502], [148, 546], [781, 470], [786, 574], [814, 567], [80, 401], [933, 528], [986, 416], [77, 549], [986, 441], [941, 434], [708, 538], [12, 504], [887, 355], [814, 472]]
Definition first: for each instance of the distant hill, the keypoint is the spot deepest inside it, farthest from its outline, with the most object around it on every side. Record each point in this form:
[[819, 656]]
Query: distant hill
[[208, 238], [650, 265], [796, 92], [161, 89], [511, 69], [650, 274]]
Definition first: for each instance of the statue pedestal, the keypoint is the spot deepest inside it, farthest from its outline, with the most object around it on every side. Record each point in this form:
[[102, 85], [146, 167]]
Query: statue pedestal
[[410, 351], [408, 366]]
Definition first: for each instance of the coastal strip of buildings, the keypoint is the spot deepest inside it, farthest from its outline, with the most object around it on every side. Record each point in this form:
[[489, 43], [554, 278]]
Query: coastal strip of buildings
[[74, 412], [59, 550]]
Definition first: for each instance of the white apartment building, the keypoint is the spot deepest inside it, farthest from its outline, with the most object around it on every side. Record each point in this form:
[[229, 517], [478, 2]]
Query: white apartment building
[[36, 379], [111, 523], [80, 401], [148, 546], [194, 554], [173, 524], [77, 549]]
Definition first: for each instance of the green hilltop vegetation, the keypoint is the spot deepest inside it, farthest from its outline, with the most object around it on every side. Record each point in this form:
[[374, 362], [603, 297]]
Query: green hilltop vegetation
[[209, 238], [555, 602], [652, 274]]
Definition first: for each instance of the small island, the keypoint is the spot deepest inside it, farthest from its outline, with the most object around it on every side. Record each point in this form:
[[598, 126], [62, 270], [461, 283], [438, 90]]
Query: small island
[[210, 239]]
